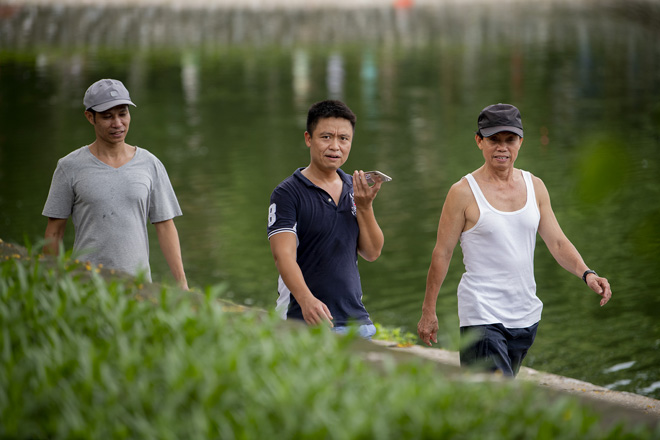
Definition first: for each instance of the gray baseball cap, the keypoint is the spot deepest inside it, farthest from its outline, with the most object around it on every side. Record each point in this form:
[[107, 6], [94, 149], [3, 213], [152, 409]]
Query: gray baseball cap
[[105, 94], [499, 117]]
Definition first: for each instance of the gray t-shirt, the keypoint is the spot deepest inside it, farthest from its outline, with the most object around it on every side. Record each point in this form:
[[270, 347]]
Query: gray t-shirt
[[110, 206]]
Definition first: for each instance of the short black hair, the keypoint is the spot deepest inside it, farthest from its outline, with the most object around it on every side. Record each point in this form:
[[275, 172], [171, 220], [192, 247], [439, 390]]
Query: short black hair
[[328, 109]]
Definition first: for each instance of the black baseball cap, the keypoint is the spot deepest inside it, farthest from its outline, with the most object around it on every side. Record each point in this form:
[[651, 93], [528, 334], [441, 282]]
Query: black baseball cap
[[499, 117]]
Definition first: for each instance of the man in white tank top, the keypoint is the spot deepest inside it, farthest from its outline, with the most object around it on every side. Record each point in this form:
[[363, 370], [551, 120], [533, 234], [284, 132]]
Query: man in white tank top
[[496, 212]]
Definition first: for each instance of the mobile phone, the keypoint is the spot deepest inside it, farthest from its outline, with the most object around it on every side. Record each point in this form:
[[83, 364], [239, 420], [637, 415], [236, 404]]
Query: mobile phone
[[371, 176]]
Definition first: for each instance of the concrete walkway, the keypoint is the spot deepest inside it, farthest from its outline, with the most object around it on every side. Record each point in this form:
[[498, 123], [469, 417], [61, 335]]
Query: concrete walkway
[[620, 404]]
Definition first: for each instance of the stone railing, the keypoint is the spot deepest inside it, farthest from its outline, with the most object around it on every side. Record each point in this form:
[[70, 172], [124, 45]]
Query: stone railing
[[166, 23]]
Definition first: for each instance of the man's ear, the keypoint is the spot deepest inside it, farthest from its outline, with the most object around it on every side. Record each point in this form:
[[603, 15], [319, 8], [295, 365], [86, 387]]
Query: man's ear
[[91, 117], [308, 139], [478, 139]]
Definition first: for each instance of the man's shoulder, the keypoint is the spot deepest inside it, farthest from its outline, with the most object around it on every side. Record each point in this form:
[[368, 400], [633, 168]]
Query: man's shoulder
[[460, 195], [540, 189], [75, 155], [535, 179], [146, 155], [145, 152], [146, 160], [75, 159], [292, 182], [461, 187]]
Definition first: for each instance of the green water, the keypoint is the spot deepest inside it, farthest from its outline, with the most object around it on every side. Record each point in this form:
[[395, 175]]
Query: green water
[[222, 98]]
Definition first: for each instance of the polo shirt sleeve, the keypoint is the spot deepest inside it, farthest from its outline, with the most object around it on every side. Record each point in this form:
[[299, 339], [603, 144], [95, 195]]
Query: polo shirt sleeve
[[282, 212]]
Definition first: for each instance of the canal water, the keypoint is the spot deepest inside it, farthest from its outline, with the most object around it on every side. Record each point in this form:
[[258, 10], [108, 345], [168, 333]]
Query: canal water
[[222, 96]]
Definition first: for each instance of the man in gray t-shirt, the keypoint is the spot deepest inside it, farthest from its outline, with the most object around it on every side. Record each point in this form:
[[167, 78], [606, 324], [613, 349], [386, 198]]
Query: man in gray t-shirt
[[110, 189]]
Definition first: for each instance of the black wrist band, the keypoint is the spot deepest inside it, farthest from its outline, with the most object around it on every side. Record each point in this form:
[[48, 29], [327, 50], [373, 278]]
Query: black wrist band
[[587, 272]]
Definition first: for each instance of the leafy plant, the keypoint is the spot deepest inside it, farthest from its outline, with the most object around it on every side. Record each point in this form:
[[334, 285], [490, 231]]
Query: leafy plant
[[82, 356], [394, 334]]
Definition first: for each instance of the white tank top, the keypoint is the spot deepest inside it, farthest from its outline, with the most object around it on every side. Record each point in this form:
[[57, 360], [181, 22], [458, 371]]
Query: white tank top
[[498, 252]]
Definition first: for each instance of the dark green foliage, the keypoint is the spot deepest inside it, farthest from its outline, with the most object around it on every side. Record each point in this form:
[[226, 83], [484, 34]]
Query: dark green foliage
[[82, 357]]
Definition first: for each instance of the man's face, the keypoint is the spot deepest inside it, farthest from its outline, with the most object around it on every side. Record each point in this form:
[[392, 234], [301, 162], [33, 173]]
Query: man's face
[[500, 149], [111, 126], [330, 143]]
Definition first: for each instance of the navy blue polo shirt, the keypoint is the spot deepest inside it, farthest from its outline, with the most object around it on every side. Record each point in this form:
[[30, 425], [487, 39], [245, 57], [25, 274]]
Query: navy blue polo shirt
[[327, 236]]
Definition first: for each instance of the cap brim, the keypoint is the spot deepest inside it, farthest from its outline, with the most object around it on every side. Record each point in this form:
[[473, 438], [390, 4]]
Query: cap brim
[[486, 132], [108, 105]]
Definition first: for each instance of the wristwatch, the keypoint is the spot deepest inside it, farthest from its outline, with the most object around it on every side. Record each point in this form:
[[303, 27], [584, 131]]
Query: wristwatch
[[587, 272]]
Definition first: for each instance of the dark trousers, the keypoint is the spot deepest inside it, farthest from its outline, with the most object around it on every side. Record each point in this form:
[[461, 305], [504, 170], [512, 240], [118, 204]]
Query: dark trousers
[[494, 347]]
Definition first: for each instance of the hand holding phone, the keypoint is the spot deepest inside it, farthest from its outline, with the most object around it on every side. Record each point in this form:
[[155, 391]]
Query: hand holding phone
[[371, 177]]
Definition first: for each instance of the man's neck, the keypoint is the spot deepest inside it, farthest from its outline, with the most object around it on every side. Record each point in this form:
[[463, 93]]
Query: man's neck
[[329, 181], [496, 176], [321, 177], [114, 155]]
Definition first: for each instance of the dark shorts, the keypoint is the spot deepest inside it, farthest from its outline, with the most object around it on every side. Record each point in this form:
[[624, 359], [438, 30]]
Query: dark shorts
[[494, 347]]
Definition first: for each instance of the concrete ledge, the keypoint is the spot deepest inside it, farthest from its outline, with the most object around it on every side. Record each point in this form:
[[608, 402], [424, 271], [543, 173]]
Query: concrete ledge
[[636, 407], [285, 4]]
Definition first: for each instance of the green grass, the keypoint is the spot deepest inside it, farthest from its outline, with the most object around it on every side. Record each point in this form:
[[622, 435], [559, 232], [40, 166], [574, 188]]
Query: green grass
[[86, 357]]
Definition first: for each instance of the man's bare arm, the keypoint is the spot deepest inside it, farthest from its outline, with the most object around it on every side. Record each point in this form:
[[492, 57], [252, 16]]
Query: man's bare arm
[[561, 248], [283, 247], [54, 234], [168, 238], [450, 226]]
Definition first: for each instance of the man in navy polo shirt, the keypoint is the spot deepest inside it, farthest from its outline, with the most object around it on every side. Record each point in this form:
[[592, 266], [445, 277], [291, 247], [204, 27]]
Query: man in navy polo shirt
[[319, 220]]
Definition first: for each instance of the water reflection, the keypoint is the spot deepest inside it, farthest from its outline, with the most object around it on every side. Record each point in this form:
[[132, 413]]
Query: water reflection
[[335, 76], [190, 84], [222, 97], [301, 79], [369, 83]]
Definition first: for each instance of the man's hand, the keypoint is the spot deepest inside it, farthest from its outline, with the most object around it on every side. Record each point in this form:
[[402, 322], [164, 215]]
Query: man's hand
[[601, 286], [364, 194], [315, 311], [371, 239], [427, 328]]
